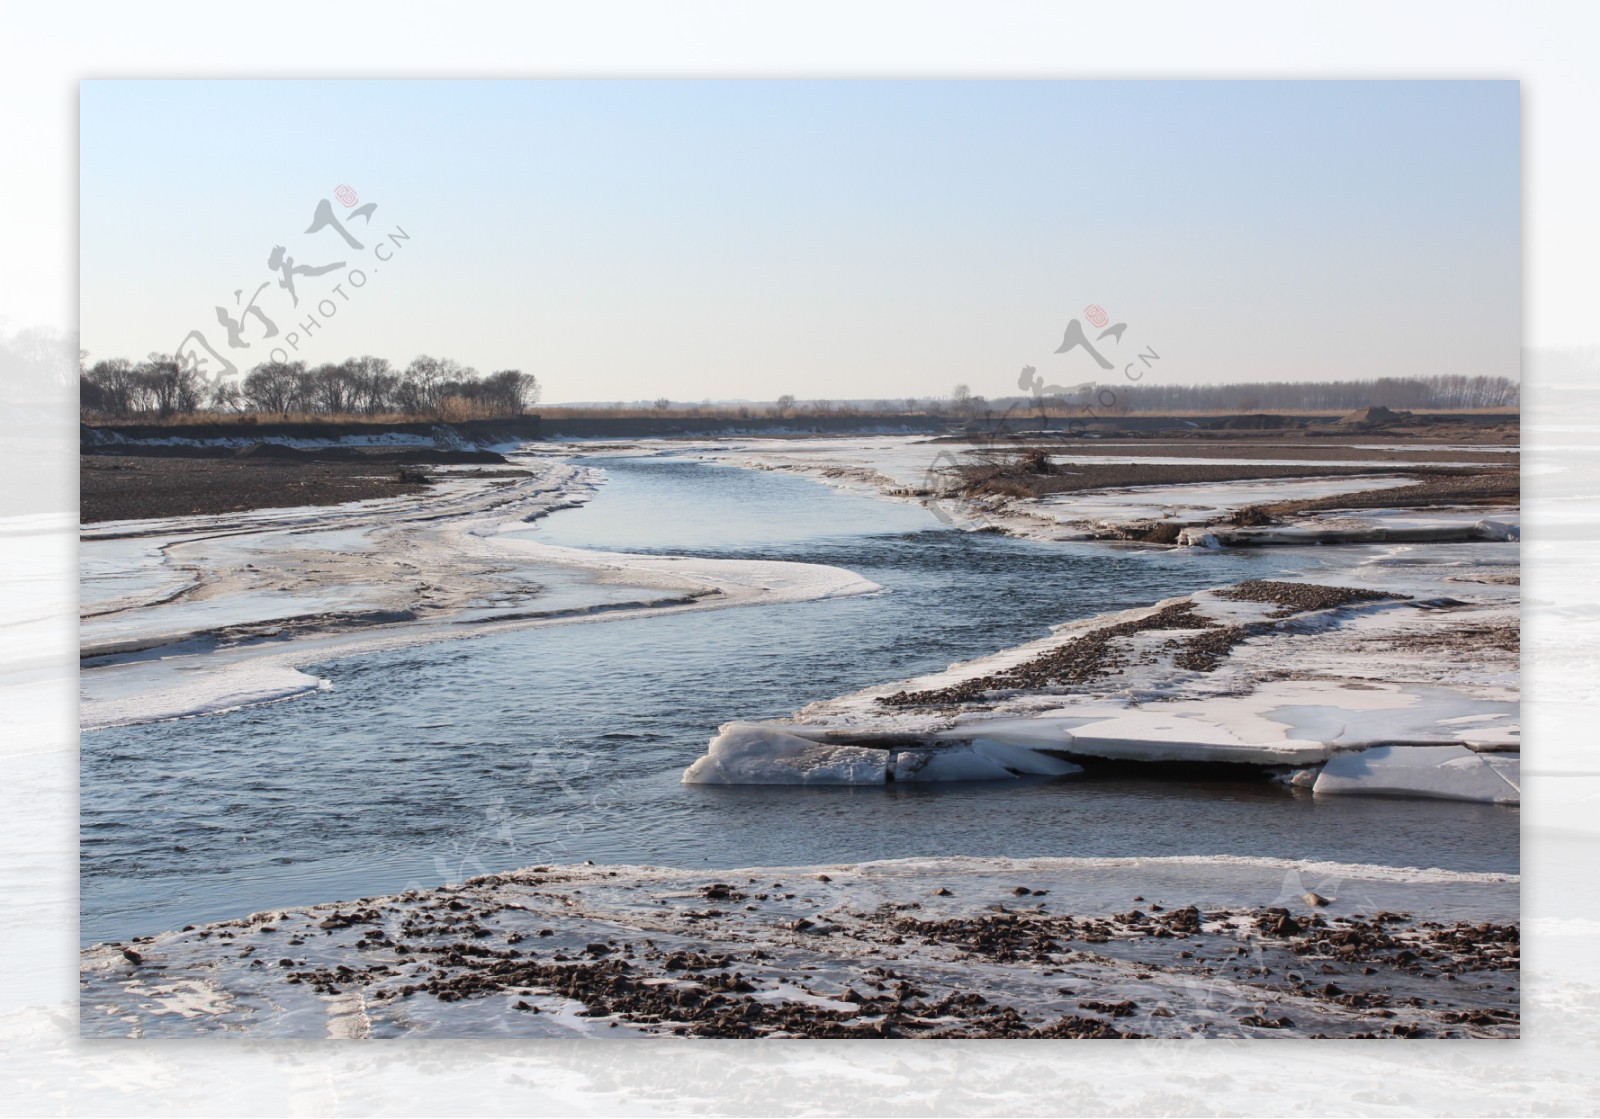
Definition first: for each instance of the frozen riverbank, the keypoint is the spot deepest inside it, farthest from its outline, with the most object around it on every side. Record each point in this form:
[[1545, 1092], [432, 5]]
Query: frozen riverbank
[[200, 614], [550, 744], [1049, 948], [1402, 683]]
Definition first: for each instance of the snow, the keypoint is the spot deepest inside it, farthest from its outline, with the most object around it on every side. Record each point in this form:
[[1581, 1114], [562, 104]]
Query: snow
[[760, 754], [1190, 736], [1368, 526], [948, 765], [221, 980], [1194, 502], [1445, 772], [748, 754], [141, 691], [910, 461], [236, 604], [1282, 724], [1322, 685], [994, 758], [1018, 757]]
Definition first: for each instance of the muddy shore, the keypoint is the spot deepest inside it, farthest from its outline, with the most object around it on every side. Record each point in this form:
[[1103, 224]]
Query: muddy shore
[[125, 487], [927, 952], [1014, 480]]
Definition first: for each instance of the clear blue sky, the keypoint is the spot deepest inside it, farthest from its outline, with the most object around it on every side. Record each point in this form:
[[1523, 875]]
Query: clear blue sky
[[629, 240]]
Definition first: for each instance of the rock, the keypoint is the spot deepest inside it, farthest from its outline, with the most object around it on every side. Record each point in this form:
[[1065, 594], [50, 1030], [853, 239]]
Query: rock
[[1311, 897]]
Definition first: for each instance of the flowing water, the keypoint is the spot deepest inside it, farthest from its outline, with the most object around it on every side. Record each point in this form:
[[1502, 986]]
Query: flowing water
[[561, 744]]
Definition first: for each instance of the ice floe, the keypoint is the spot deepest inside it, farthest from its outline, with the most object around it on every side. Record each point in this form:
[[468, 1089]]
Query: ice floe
[[1447, 772], [759, 754], [748, 754], [1369, 526]]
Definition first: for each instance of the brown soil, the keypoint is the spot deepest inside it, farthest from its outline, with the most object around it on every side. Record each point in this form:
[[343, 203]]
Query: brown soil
[[1502, 487], [117, 487], [1296, 598], [1085, 658], [1420, 440], [1012, 480], [1475, 641], [1095, 654]]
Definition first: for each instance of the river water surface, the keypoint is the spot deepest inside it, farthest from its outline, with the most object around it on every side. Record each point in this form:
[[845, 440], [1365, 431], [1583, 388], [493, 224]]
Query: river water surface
[[430, 764]]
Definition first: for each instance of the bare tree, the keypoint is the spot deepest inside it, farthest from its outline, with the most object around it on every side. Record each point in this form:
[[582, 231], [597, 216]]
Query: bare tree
[[273, 385], [510, 391]]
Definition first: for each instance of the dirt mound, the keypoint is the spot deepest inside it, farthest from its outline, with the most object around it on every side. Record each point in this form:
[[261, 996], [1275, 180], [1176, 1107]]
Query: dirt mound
[[1375, 415]]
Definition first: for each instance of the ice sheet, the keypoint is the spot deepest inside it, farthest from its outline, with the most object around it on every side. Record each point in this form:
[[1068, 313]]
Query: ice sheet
[[1369, 526], [1435, 667], [236, 604], [1197, 502], [1444, 772]]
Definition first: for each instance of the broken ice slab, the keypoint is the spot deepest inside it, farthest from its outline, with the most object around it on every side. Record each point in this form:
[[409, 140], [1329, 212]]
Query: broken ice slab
[[751, 754], [1444, 772]]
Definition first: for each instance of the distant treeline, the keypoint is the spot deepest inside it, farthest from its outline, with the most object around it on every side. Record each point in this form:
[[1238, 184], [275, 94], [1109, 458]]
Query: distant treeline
[[1443, 393], [162, 388]]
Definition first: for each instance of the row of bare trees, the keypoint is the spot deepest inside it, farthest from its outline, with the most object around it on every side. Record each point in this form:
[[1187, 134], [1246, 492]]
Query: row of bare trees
[[1440, 392], [161, 388]]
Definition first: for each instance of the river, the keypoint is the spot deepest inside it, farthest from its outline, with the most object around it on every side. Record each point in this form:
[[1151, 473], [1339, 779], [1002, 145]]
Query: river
[[429, 764]]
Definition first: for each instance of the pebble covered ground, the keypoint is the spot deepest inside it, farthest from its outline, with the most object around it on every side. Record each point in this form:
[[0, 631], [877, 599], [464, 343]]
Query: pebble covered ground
[[963, 949], [1098, 653]]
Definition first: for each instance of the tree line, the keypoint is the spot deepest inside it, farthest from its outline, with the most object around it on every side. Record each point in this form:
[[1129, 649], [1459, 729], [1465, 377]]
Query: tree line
[[160, 387], [1440, 392]]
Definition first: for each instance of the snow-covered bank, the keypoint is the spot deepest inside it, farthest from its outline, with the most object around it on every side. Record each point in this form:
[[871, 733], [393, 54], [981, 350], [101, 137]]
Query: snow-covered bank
[[917, 468], [196, 615], [1193, 502], [1408, 690], [1369, 526], [955, 947]]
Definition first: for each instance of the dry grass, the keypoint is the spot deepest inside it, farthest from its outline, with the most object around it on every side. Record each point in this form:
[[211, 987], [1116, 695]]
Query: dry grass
[[724, 412], [459, 409], [246, 419]]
